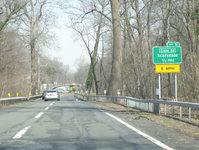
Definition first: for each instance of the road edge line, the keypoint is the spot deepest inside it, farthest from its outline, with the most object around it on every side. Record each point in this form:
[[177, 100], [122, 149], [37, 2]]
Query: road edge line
[[153, 140]]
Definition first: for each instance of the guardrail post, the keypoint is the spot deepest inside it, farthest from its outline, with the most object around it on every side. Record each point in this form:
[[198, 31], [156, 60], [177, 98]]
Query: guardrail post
[[156, 108], [180, 112], [159, 109], [165, 109], [173, 110], [189, 113]]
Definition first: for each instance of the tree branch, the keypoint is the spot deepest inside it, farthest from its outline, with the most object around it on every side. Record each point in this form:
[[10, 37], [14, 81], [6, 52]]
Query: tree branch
[[95, 10]]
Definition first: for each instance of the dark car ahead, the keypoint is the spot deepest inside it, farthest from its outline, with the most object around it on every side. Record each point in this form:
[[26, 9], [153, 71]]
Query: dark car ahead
[[51, 95]]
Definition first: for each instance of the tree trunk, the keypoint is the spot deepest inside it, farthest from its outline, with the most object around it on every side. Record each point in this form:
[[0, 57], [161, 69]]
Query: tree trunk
[[115, 76], [93, 57], [166, 38], [33, 68], [151, 72]]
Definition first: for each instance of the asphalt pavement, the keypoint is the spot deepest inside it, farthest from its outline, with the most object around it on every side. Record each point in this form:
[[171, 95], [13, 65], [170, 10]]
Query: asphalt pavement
[[69, 124]]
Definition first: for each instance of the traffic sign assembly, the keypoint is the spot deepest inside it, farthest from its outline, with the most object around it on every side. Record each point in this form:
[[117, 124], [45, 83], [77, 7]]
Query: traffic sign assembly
[[167, 59]]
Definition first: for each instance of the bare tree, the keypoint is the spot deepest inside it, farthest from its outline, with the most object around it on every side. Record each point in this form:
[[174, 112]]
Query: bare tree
[[10, 49], [34, 21], [10, 11], [90, 34], [115, 81]]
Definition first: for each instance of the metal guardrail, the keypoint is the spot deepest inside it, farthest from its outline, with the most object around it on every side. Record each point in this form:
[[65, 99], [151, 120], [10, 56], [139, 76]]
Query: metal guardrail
[[14, 100], [154, 106], [34, 97]]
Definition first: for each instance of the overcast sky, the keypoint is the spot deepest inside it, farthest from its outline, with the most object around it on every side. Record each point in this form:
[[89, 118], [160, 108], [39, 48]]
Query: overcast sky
[[68, 48]]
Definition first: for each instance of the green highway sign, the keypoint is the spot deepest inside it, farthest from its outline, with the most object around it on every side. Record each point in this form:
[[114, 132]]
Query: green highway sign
[[175, 44], [167, 55]]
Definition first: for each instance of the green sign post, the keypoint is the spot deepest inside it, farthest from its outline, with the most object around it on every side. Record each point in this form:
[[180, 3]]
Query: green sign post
[[167, 55]]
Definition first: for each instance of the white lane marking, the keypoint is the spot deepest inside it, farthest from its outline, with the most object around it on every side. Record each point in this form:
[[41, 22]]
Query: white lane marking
[[160, 144], [39, 115], [52, 104], [21, 133], [46, 108]]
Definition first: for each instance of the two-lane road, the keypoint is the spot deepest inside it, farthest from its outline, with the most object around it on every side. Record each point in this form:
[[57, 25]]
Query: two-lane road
[[68, 124]]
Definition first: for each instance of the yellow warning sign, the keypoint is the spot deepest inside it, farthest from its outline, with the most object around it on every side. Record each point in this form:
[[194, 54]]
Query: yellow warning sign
[[167, 68]]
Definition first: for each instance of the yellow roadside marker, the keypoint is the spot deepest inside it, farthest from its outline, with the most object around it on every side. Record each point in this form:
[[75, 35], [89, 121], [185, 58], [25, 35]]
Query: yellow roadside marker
[[9, 94]]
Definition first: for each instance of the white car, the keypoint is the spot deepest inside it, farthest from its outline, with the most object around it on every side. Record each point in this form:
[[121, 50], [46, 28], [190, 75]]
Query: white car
[[51, 95]]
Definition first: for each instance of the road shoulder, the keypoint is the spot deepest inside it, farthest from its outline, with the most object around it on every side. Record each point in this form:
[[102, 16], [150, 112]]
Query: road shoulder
[[173, 132]]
